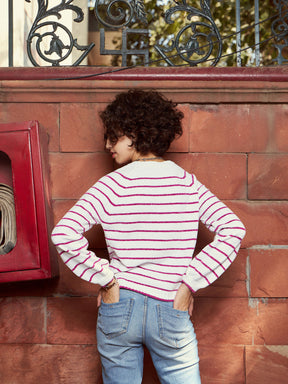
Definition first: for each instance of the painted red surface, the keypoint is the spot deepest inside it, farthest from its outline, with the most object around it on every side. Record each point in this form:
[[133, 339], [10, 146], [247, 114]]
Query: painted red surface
[[30, 258]]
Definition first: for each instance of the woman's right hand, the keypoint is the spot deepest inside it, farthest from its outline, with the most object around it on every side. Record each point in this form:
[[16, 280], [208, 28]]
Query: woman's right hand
[[109, 296]]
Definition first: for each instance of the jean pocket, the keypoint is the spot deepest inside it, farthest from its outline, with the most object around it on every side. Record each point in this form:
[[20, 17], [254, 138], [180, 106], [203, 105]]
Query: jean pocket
[[113, 319], [175, 327]]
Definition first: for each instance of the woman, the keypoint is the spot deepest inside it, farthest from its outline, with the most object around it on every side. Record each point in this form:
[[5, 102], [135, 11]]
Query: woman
[[149, 210]]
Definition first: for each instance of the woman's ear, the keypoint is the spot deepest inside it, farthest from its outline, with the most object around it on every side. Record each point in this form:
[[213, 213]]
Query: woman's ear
[[133, 139]]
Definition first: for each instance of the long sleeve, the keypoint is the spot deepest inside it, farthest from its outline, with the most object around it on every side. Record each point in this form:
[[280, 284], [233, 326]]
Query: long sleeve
[[72, 246], [216, 257]]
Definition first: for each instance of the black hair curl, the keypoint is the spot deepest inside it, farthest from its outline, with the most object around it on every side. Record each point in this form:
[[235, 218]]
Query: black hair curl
[[147, 117]]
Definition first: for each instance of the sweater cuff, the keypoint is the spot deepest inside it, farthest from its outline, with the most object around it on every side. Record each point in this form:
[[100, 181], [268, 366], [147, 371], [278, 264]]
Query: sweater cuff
[[192, 283], [187, 285]]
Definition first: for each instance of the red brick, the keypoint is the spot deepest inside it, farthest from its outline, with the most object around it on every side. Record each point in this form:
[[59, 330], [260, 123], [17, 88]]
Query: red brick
[[266, 365], [232, 283], [241, 321], [267, 177], [224, 321], [73, 174], [265, 222], [81, 129], [46, 114], [46, 364], [268, 272], [71, 320], [229, 128], [280, 127], [60, 207], [271, 322], [221, 364], [22, 320], [182, 144], [223, 174]]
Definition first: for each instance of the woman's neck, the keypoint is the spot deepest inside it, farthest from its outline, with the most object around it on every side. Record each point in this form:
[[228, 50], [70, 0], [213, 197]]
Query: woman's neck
[[148, 157]]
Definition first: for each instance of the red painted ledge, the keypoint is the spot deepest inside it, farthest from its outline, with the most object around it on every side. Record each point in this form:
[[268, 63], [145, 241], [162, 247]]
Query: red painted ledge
[[271, 74]]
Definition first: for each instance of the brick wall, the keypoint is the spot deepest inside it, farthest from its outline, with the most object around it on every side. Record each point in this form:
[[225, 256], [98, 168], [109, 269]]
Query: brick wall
[[235, 140]]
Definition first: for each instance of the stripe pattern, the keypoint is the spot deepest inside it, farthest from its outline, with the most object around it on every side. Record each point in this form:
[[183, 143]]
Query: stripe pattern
[[150, 215]]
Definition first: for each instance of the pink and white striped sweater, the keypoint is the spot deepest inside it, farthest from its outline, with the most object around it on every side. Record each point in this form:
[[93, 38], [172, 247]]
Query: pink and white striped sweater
[[150, 214]]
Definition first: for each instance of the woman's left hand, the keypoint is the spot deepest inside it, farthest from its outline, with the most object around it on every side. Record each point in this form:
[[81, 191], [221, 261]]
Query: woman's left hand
[[184, 300]]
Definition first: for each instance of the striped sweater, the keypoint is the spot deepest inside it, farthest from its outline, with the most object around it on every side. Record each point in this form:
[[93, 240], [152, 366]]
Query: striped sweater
[[150, 214]]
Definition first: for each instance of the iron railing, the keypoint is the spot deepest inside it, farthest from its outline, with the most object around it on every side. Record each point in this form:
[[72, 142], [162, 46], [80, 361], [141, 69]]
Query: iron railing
[[194, 38]]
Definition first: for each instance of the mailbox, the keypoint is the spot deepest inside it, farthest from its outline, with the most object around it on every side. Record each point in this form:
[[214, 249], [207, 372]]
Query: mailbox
[[24, 169]]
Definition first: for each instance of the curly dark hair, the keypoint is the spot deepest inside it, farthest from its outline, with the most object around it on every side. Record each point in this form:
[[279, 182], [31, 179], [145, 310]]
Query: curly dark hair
[[147, 117]]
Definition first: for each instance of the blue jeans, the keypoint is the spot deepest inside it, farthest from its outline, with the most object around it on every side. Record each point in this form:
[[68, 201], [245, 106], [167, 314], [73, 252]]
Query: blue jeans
[[123, 328]]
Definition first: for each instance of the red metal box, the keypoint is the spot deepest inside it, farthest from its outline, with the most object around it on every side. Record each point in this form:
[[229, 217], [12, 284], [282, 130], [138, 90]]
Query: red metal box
[[24, 166]]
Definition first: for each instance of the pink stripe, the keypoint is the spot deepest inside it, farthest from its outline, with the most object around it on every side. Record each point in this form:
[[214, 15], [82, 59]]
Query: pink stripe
[[148, 186], [117, 269], [65, 226], [162, 273], [82, 262], [163, 240], [78, 249], [86, 210], [152, 278], [147, 194], [225, 225], [92, 276], [152, 231], [151, 178], [216, 261], [236, 237], [200, 274], [71, 258], [204, 193], [149, 222], [68, 242], [79, 214], [229, 229], [147, 285], [158, 258], [59, 234], [207, 209], [205, 265], [89, 268], [228, 214], [225, 242], [90, 203], [214, 212], [74, 221], [142, 204], [211, 197], [153, 249], [223, 253], [158, 264], [138, 213]]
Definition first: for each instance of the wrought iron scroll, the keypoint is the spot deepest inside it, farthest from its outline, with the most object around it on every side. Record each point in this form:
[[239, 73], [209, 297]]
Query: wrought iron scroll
[[280, 30], [119, 15], [196, 41], [58, 37]]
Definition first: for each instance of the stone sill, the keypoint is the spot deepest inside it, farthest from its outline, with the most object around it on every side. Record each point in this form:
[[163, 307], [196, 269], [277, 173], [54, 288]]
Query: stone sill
[[99, 84]]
